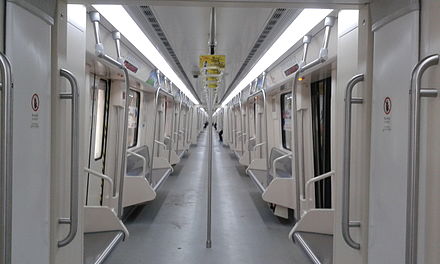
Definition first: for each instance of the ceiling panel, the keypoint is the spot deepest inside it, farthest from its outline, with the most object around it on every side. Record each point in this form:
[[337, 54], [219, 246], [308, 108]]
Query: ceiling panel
[[187, 30]]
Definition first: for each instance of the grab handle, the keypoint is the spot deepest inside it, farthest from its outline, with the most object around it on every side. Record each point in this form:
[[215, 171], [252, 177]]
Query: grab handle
[[416, 93], [74, 152], [6, 157], [346, 224]]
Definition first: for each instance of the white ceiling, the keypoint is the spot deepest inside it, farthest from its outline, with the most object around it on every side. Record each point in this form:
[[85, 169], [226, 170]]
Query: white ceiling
[[187, 30]]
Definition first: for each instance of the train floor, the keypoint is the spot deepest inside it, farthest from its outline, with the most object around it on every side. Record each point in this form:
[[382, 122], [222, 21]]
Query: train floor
[[172, 228]]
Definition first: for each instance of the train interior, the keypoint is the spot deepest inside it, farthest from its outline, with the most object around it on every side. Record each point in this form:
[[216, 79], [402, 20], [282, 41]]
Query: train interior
[[246, 131]]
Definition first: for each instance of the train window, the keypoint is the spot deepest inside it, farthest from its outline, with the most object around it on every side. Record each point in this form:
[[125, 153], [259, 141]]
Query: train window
[[321, 96], [286, 120], [101, 95], [133, 118]]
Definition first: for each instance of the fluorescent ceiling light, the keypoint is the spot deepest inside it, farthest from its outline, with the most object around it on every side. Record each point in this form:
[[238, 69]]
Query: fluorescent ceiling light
[[306, 21], [122, 21]]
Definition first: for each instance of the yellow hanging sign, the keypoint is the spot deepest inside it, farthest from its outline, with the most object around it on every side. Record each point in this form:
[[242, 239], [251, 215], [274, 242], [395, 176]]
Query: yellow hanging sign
[[218, 61]]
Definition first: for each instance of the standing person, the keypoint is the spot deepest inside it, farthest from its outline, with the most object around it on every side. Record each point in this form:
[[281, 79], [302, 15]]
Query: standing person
[[220, 135], [215, 126]]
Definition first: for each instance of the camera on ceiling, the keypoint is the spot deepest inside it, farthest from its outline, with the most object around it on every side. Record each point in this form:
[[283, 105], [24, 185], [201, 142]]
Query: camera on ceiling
[[195, 72]]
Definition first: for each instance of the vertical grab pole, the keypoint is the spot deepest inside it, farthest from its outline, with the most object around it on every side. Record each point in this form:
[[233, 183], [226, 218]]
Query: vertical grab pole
[[6, 159], [412, 210], [208, 224], [346, 223], [295, 150], [173, 115], [156, 103], [72, 221]]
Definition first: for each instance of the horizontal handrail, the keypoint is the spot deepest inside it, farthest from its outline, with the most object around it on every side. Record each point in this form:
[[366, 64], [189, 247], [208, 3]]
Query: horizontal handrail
[[160, 143], [104, 177], [274, 171], [258, 145], [313, 180], [144, 161]]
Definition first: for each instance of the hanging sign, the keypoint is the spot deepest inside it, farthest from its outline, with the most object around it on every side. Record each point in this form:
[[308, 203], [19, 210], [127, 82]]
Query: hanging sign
[[218, 61]]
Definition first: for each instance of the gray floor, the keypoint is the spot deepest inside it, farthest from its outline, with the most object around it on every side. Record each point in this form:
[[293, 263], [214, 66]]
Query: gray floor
[[172, 228]]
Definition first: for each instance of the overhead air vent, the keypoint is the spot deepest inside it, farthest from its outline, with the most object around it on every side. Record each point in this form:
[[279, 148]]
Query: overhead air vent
[[277, 15], [151, 18]]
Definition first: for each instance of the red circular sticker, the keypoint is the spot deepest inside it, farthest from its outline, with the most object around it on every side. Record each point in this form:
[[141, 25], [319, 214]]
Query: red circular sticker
[[35, 102], [387, 105]]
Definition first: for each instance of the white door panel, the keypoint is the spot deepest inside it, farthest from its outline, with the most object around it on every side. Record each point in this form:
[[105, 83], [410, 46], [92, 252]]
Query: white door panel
[[395, 54], [28, 45]]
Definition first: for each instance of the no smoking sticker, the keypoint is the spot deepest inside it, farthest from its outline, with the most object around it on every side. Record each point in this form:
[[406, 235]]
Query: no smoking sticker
[[387, 105], [35, 102]]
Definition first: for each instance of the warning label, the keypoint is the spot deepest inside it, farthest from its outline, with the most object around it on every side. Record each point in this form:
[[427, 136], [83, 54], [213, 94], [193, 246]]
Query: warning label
[[387, 105], [387, 124], [35, 102]]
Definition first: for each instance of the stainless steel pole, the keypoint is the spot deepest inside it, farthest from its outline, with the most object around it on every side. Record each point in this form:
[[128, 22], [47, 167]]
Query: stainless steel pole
[[6, 87], [208, 224]]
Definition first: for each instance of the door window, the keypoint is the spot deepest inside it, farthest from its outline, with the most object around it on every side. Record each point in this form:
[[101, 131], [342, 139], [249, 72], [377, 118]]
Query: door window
[[133, 118], [321, 96], [286, 120], [101, 95]]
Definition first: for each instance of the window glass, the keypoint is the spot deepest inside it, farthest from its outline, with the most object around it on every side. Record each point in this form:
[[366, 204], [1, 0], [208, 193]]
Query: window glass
[[100, 117], [133, 118], [286, 120]]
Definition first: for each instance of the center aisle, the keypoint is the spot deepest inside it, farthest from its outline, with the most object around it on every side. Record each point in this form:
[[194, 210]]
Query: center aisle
[[172, 228]]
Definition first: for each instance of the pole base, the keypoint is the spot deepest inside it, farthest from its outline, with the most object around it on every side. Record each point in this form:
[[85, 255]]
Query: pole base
[[208, 243]]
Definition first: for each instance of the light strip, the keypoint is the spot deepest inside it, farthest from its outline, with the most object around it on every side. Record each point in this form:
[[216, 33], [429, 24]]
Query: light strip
[[122, 21], [306, 21]]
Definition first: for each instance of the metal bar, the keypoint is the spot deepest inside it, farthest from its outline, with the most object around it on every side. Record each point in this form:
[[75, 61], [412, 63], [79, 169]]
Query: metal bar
[[313, 180], [212, 32], [144, 161], [104, 177], [178, 121], [295, 150], [6, 159], [209, 208], [263, 95], [258, 145], [248, 115], [274, 163], [241, 121], [117, 37], [172, 128], [303, 167], [74, 160], [346, 163], [412, 210], [159, 92], [323, 53]]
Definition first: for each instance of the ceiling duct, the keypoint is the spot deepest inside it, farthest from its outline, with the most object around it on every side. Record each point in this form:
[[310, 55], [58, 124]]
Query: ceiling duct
[[151, 18], [280, 18]]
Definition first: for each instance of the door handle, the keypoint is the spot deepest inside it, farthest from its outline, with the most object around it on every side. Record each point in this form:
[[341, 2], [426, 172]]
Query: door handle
[[346, 223], [6, 160], [416, 92], [72, 221]]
